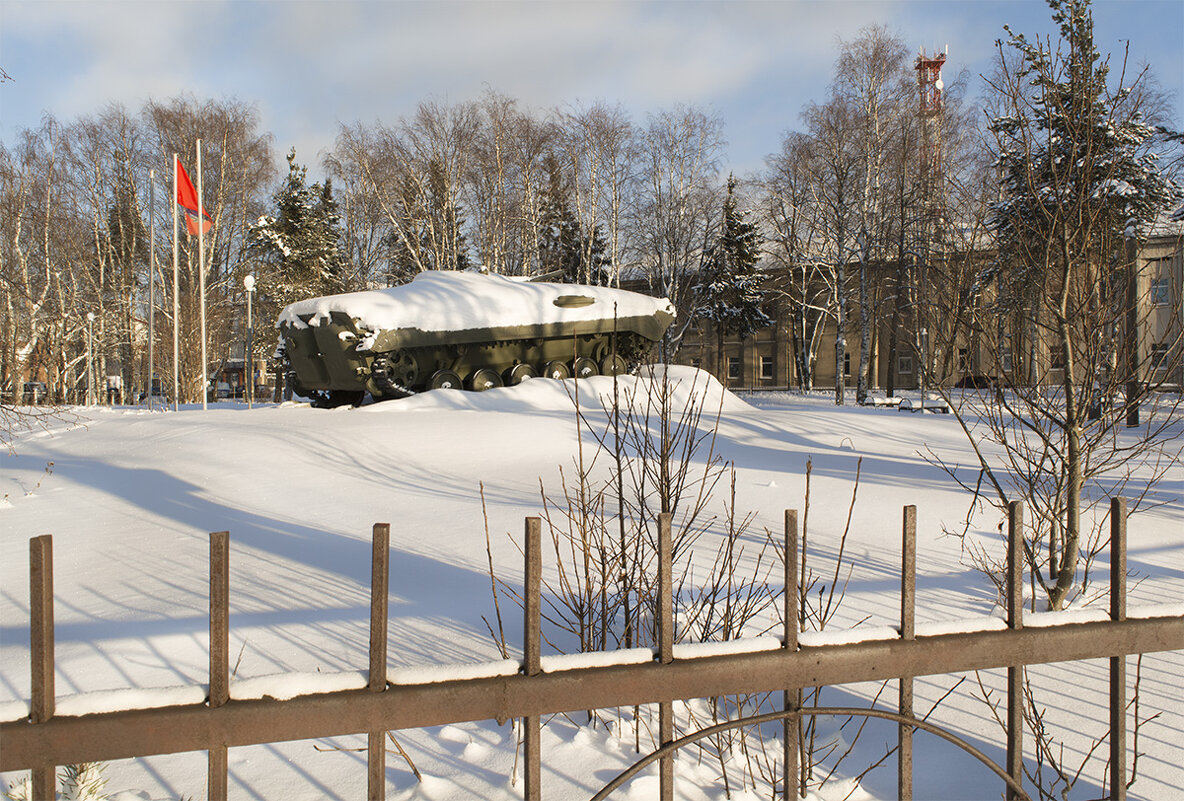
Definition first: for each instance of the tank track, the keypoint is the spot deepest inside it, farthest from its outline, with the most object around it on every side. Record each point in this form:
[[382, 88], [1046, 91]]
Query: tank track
[[408, 371]]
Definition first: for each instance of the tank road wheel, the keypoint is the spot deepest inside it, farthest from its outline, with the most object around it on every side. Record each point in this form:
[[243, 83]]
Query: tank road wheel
[[613, 364], [444, 379], [519, 373], [394, 374], [584, 367], [484, 379], [556, 369]]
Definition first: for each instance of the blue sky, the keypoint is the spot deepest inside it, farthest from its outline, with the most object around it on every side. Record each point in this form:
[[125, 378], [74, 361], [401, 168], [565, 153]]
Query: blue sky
[[312, 64]]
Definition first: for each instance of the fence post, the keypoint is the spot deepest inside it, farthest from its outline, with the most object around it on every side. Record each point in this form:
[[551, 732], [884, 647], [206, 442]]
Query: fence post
[[532, 634], [216, 784], [908, 616], [791, 699], [1015, 621], [665, 651], [379, 595], [1118, 663], [41, 642]]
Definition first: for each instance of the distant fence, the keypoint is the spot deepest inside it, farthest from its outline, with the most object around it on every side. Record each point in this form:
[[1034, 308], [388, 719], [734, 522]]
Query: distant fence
[[46, 739]]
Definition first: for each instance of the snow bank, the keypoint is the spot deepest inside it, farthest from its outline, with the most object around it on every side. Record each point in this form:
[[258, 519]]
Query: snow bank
[[640, 392], [459, 301]]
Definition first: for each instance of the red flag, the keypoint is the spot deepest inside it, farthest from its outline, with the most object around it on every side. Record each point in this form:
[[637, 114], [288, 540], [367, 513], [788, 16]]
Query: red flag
[[187, 199]]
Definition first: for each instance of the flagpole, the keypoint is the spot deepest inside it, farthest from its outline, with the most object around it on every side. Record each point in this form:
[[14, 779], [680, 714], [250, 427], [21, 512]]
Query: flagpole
[[201, 272], [151, 278], [176, 296]]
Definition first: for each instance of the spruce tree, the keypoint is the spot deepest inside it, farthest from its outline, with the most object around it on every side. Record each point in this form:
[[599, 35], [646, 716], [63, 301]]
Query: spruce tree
[[564, 244], [299, 246], [559, 231], [594, 261], [1079, 185], [446, 246], [732, 293]]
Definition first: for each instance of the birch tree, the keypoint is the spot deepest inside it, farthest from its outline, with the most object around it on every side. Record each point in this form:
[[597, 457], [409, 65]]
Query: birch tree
[[835, 187], [873, 83], [789, 219], [675, 213]]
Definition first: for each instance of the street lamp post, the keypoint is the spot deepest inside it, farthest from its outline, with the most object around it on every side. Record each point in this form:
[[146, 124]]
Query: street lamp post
[[249, 361], [90, 370]]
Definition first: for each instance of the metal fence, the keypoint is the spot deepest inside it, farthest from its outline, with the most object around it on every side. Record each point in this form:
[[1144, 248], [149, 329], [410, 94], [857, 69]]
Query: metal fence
[[46, 740]]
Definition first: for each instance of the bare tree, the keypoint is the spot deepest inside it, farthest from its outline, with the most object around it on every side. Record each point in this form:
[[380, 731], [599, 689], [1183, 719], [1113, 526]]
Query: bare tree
[[35, 225], [105, 156], [835, 189], [803, 281], [366, 233], [600, 143], [676, 210], [871, 79], [237, 170]]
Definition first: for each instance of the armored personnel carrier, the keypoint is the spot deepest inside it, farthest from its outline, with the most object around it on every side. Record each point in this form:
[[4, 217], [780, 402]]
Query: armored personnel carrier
[[453, 330]]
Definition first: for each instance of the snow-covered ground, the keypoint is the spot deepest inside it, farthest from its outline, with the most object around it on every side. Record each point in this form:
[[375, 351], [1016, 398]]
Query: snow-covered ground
[[130, 495]]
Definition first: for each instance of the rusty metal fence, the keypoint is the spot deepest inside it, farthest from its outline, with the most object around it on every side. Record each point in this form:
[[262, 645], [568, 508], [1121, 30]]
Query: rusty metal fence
[[46, 740]]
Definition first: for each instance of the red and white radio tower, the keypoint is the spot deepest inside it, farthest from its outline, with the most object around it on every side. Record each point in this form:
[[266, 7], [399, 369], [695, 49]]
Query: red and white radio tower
[[929, 112]]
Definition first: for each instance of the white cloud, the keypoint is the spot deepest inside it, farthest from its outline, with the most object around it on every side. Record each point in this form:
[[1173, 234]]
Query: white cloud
[[311, 64]]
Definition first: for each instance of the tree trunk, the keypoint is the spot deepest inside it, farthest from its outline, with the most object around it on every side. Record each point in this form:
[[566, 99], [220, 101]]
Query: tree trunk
[[865, 331], [840, 334]]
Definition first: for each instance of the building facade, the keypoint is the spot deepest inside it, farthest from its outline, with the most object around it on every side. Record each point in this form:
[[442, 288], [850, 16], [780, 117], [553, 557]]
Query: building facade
[[957, 333]]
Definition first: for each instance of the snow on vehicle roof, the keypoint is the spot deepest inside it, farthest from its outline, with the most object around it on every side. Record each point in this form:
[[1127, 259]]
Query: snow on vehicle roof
[[458, 301]]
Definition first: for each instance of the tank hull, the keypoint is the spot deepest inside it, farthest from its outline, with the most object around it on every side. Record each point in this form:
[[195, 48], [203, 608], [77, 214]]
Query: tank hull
[[340, 348]]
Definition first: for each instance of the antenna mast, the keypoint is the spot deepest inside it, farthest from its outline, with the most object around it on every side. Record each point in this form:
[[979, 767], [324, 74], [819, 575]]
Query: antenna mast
[[929, 113]]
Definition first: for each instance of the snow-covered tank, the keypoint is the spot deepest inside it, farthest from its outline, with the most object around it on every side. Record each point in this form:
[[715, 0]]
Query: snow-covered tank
[[448, 330]]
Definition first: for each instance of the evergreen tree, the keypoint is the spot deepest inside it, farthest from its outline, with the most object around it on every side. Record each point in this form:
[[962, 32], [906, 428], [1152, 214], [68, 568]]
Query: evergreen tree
[[559, 231], [300, 246], [563, 243], [447, 247], [1079, 185], [732, 293], [595, 265]]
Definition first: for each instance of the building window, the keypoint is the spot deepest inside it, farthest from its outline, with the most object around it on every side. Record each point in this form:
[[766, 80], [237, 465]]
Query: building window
[[904, 365], [963, 360], [766, 368], [734, 368], [847, 364], [1160, 291], [1005, 361], [1056, 358], [1159, 357]]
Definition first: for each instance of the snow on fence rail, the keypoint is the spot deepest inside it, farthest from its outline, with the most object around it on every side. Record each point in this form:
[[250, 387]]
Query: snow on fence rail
[[224, 714]]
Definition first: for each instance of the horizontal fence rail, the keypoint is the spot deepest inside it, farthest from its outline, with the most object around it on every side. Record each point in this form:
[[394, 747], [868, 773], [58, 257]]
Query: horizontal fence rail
[[119, 735], [45, 739]]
